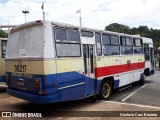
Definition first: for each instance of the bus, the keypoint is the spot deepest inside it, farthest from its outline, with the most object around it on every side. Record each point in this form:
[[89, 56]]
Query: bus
[[3, 47], [149, 56], [48, 62]]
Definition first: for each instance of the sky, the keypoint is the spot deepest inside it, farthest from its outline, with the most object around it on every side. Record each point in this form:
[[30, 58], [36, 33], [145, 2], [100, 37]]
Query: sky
[[95, 13]]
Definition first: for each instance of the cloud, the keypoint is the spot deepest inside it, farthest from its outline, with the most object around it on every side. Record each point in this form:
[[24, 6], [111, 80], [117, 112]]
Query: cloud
[[95, 13]]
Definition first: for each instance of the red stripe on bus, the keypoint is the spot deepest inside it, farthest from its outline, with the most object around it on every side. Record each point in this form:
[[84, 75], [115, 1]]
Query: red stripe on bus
[[109, 70]]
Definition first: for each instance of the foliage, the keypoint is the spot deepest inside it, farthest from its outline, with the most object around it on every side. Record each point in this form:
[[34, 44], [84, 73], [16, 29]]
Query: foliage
[[3, 34], [144, 31]]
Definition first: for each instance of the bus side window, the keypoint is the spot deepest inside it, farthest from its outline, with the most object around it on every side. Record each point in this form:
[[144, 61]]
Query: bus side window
[[60, 34], [146, 51], [138, 46], [110, 44], [4, 47], [73, 36], [86, 33], [126, 45], [67, 42], [98, 44]]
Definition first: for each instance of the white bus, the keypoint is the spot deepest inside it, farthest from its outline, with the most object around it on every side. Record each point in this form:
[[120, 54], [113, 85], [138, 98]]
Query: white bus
[[149, 56], [49, 62]]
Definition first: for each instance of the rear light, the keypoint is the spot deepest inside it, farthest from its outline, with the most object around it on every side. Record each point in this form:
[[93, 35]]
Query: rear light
[[44, 93], [37, 84]]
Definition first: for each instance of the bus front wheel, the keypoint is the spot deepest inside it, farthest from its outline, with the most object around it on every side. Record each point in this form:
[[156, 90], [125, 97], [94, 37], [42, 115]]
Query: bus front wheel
[[105, 90]]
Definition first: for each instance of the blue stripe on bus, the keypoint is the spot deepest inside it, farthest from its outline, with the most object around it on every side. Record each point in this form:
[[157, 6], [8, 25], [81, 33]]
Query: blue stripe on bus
[[2, 78], [34, 98], [116, 84], [78, 86]]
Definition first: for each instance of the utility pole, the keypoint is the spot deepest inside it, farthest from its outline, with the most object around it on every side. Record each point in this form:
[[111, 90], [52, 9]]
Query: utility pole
[[25, 12], [80, 17]]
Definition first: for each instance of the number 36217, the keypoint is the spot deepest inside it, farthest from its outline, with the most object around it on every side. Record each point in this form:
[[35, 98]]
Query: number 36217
[[20, 68]]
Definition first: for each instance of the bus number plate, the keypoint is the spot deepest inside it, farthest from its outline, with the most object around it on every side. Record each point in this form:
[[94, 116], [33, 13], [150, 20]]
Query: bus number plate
[[20, 68]]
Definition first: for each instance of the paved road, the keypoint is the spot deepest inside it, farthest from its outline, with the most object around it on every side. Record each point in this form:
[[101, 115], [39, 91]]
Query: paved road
[[134, 98], [147, 94]]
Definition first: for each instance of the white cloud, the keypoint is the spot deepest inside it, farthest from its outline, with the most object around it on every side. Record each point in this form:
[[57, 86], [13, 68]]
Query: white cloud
[[95, 13]]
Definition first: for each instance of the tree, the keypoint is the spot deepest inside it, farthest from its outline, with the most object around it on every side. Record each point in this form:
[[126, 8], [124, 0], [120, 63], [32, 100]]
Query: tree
[[143, 29], [118, 28], [3, 34]]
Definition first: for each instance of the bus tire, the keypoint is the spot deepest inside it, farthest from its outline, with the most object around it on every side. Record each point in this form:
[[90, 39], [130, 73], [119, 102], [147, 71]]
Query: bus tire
[[141, 82], [105, 90]]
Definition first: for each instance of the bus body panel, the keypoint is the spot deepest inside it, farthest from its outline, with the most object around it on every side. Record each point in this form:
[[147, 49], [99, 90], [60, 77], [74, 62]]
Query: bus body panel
[[68, 80], [2, 70], [3, 45]]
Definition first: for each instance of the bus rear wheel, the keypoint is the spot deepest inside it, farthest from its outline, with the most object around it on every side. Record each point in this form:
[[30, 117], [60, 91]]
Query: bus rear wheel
[[141, 82], [105, 90]]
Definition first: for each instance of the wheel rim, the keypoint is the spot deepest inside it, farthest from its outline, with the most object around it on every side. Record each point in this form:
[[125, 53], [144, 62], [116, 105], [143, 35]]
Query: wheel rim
[[106, 90]]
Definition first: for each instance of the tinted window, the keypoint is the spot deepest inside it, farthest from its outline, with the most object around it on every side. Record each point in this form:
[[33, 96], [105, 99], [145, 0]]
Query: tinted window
[[128, 41], [60, 34], [111, 50], [114, 40], [138, 50], [86, 33], [126, 50], [98, 44], [73, 35], [146, 52], [137, 42], [123, 41], [105, 39]]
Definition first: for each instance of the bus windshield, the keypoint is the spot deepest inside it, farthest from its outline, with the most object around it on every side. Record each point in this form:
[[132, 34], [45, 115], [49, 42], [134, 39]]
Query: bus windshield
[[26, 42]]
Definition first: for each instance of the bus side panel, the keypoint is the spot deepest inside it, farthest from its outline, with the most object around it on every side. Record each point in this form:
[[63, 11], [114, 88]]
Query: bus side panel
[[70, 79], [2, 70]]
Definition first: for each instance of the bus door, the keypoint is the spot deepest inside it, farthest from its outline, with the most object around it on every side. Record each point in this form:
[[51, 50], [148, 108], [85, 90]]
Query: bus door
[[152, 58], [90, 81]]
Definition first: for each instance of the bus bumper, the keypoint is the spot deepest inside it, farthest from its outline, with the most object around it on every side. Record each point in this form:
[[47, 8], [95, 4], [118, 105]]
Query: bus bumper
[[42, 99]]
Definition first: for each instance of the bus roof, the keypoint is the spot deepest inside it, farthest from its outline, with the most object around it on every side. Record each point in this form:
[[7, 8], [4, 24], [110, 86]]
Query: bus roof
[[92, 29], [32, 23]]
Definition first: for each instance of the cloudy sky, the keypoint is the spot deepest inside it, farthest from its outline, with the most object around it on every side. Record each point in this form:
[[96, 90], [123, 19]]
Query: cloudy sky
[[95, 13]]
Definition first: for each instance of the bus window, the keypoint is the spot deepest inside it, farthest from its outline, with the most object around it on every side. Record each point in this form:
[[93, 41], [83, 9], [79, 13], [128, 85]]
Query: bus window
[[114, 40], [126, 45], [98, 44], [138, 47], [110, 45], [110, 50], [67, 42], [60, 34], [105, 39], [146, 51], [86, 33], [75, 50], [4, 47], [73, 35]]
